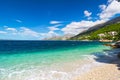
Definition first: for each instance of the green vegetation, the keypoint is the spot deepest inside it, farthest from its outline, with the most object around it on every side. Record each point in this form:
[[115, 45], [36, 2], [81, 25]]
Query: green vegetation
[[109, 32]]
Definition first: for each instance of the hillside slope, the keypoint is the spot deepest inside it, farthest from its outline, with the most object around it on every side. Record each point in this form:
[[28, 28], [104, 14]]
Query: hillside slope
[[109, 31]]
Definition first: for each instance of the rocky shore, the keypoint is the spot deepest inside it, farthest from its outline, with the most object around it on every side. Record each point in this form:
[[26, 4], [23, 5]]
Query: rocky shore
[[107, 71], [114, 45]]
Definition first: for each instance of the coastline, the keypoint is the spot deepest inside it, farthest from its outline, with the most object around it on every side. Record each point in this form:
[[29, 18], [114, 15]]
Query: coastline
[[104, 72], [108, 71], [85, 61]]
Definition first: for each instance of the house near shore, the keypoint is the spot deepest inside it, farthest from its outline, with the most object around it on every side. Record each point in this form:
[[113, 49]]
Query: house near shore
[[110, 34], [101, 36]]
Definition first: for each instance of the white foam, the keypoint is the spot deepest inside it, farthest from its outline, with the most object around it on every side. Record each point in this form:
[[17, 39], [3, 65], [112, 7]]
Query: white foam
[[48, 72], [35, 74], [43, 73]]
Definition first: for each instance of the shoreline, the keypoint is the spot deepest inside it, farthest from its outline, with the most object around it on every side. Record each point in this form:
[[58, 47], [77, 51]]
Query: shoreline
[[104, 72], [107, 71], [79, 67]]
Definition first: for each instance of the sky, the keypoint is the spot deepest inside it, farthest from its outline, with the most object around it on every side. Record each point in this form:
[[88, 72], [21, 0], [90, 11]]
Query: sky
[[39, 19]]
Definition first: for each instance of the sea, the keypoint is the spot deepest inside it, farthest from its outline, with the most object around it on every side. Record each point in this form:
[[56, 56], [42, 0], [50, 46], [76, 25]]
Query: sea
[[47, 60]]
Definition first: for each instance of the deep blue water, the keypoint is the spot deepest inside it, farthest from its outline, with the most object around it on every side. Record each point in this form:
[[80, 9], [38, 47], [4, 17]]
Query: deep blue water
[[10, 47]]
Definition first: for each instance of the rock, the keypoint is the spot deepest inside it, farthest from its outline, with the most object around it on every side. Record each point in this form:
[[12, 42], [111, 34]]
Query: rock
[[111, 45], [118, 55], [114, 45], [117, 44]]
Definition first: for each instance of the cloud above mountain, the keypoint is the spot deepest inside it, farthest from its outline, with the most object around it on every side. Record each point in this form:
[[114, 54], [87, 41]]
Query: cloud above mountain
[[110, 10], [107, 11]]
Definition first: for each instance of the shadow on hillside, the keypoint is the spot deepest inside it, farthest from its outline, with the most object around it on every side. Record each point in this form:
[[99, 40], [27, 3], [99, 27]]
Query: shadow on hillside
[[109, 56]]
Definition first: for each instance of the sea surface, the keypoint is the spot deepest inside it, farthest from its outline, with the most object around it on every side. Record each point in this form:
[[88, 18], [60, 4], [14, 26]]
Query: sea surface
[[47, 60]]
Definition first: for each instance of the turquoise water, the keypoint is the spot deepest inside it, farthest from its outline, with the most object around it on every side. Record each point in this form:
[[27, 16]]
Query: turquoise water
[[43, 60]]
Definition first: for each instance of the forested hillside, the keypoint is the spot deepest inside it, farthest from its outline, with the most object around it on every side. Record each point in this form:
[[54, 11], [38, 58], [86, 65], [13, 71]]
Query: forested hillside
[[109, 32]]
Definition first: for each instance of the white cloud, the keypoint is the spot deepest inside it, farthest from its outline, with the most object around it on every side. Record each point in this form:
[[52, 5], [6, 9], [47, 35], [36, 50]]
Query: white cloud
[[5, 26], [87, 13], [110, 1], [11, 29], [3, 32], [55, 27], [19, 21], [55, 22], [77, 27], [102, 7], [89, 18], [108, 11], [21, 32], [28, 32], [111, 9], [52, 30], [51, 34]]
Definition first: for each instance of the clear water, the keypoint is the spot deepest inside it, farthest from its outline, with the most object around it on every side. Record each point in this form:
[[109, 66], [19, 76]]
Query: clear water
[[44, 60]]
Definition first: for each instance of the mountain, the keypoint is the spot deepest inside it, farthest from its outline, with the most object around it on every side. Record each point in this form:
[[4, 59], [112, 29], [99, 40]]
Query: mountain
[[64, 37], [113, 24]]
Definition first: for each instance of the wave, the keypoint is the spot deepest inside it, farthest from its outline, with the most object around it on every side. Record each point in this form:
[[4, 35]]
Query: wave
[[48, 72]]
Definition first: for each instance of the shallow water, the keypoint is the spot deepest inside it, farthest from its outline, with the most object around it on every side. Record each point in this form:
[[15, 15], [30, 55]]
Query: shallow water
[[46, 60]]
